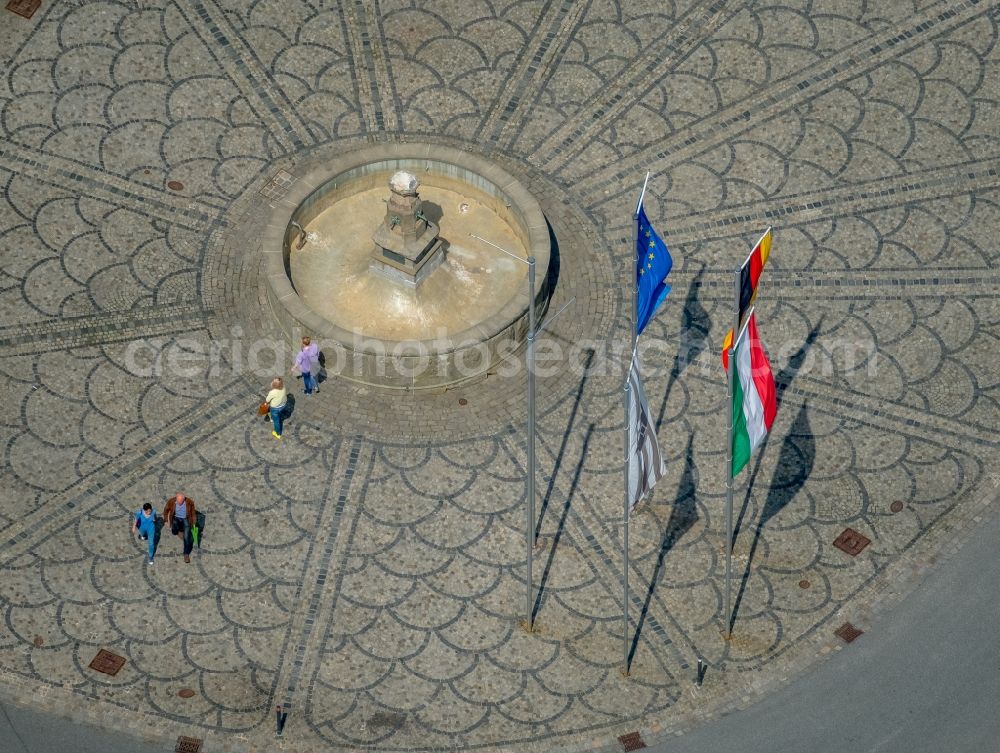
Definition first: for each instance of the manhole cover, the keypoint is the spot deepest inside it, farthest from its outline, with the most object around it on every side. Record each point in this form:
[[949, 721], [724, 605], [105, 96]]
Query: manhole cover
[[804, 583], [39, 641], [25, 8], [188, 745], [848, 632], [107, 662], [185, 693], [175, 185], [632, 741], [462, 401], [896, 506], [851, 542]]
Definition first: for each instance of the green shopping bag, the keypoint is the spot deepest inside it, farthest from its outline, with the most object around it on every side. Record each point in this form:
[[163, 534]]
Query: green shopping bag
[[197, 528]]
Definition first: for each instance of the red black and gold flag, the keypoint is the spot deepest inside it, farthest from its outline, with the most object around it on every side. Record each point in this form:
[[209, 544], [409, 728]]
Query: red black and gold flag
[[749, 277]]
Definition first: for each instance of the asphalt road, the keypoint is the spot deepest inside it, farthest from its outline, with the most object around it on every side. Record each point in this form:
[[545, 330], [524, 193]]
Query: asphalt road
[[924, 677], [26, 731]]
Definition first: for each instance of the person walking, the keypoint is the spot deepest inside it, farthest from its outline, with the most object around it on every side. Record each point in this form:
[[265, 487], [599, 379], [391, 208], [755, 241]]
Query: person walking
[[307, 363], [276, 400], [179, 513], [144, 527]]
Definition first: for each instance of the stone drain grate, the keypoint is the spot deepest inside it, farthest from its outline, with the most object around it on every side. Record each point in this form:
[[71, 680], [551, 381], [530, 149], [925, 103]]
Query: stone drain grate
[[24, 8], [632, 741], [188, 745], [848, 632], [851, 542], [107, 662]]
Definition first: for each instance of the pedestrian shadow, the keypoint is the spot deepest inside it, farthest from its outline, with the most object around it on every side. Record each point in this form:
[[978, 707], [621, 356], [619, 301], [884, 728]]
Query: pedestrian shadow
[[795, 463], [588, 360], [694, 319], [683, 515], [782, 380], [562, 523], [289, 407], [321, 375]]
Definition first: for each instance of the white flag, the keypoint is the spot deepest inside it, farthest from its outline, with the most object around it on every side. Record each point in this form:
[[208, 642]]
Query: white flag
[[645, 463]]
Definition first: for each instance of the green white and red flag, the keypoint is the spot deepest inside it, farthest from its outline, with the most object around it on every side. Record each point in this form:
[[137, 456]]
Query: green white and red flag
[[754, 399]]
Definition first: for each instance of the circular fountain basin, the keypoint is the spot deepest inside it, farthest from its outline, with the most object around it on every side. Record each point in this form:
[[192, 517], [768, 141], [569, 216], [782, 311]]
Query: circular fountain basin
[[467, 316]]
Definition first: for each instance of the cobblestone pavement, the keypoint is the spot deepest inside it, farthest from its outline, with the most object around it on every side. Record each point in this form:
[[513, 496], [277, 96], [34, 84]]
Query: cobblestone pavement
[[368, 571]]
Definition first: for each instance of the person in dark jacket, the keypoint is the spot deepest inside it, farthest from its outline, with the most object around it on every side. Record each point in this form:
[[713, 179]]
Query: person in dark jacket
[[180, 515]]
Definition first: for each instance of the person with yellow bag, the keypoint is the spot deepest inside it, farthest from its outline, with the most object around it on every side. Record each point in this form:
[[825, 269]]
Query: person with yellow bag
[[276, 400]]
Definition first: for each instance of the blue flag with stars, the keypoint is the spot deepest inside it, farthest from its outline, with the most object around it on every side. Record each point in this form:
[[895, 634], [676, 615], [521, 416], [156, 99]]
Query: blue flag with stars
[[652, 267]]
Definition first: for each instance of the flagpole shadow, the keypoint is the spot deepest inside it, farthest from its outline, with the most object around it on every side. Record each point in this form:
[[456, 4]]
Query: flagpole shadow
[[694, 316], [795, 463], [562, 523], [782, 381], [683, 515], [565, 440]]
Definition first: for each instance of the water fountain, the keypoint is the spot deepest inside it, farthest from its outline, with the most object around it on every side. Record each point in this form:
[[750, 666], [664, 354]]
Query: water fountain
[[407, 247], [391, 281]]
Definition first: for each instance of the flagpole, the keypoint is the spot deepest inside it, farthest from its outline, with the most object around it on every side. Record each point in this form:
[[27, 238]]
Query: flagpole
[[731, 366], [626, 400], [530, 363]]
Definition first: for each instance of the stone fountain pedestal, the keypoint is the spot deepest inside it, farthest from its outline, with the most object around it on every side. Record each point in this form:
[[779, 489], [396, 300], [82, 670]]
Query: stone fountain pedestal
[[407, 246]]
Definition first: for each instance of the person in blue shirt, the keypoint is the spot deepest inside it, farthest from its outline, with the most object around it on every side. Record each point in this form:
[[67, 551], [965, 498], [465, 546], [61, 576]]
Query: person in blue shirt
[[144, 527]]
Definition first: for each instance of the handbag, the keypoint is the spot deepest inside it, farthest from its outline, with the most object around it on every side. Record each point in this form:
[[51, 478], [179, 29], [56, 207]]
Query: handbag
[[263, 409]]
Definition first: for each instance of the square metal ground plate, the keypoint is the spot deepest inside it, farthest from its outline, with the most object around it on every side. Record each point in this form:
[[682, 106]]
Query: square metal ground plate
[[25, 8], [107, 662], [188, 745], [632, 741], [278, 185], [848, 632], [851, 542]]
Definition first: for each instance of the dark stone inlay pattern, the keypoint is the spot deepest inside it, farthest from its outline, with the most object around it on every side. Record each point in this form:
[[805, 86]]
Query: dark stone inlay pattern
[[883, 46]]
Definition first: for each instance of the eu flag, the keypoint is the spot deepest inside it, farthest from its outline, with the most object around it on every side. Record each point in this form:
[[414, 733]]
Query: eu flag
[[651, 269]]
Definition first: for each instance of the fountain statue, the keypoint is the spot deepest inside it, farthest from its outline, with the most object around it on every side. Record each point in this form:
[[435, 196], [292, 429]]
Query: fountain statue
[[407, 246]]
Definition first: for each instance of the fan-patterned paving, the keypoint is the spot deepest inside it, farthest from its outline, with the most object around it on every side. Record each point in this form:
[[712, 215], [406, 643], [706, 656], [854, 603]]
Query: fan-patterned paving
[[368, 571]]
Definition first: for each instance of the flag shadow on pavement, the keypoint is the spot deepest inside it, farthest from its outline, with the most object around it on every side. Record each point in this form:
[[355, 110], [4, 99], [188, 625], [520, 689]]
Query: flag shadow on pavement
[[683, 515], [562, 523], [795, 463], [588, 362], [693, 318]]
